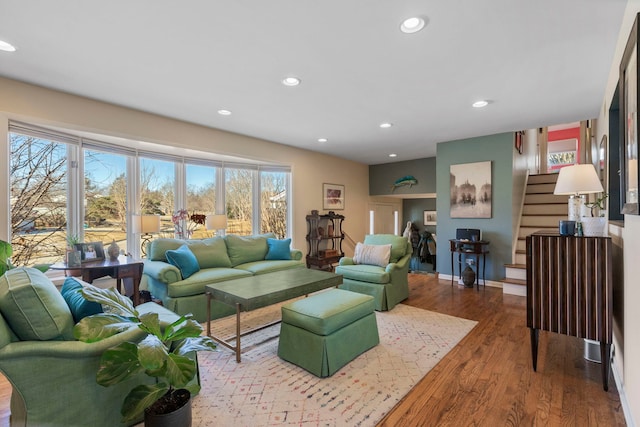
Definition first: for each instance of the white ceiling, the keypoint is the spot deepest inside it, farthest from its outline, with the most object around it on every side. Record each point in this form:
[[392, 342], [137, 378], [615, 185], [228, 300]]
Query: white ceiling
[[540, 63]]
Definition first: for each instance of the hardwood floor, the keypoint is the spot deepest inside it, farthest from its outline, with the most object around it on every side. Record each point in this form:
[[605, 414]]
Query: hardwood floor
[[487, 380]]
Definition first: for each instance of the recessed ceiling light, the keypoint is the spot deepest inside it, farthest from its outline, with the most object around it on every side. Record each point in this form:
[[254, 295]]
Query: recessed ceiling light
[[386, 125], [7, 47], [291, 81], [224, 112], [322, 139], [393, 155], [480, 104], [412, 25]]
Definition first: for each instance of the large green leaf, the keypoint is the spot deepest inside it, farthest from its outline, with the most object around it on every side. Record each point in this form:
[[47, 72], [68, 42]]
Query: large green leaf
[[117, 303], [151, 324], [180, 370], [5, 253], [100, 326], [152, 353], [183, 328], [139, 399], [195, 344], [118, 363]]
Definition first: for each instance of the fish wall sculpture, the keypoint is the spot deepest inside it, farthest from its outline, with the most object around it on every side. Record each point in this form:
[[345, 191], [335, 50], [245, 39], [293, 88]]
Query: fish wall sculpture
[[405, 180]]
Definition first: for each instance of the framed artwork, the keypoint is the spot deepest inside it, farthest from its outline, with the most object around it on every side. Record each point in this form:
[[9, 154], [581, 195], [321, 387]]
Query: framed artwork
[[332, 196], [430, 217], [470, 190], [92, 251], [629, 113]]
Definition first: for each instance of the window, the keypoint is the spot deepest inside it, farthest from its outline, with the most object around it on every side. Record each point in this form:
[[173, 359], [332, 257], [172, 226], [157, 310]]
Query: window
[[66, 187], [105, 195], [38, 191], [239, 200], [201, 195], [273, 203]]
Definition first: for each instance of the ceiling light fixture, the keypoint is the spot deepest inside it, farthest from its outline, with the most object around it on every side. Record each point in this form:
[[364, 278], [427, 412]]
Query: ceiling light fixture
[[480, 104], [412, 25], [386, 125], [7, 47], [322, 139], [393, 155], [291, 81], [224, 112]]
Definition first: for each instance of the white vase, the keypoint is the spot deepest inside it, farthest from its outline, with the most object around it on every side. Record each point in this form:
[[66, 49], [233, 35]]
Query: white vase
[[594, 226]]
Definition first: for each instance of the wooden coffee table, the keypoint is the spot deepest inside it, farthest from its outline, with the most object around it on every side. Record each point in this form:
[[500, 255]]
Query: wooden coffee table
[[259, 291]]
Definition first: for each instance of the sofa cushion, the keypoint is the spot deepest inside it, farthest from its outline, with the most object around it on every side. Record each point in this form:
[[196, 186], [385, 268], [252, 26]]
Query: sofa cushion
[[33, 307], [211, 253], [79, 306], [184, 259], [263, 267], [372, 254], [278, 249], [243, 249], [398, 244], [364, 273], [195, 284]]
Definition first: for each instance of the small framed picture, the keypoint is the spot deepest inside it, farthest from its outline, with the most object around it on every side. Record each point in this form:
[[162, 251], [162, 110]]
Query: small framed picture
[[332, 196], [91, 251], [430, 217]]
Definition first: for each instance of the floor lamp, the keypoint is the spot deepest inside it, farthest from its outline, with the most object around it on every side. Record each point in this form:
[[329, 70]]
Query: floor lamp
[[145, 225], [216, 222]]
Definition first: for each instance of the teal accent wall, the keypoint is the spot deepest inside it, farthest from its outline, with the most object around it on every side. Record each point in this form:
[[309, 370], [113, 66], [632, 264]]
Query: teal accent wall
[[382, 177], [498, 229]]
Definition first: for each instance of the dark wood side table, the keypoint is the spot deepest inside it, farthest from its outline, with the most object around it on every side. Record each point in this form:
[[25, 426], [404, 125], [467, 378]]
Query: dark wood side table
[[123, 268], [470, 247], [570, 291]]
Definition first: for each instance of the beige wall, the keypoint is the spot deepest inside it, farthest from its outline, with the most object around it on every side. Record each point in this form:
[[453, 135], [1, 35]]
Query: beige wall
[[627, 357], [40, 106]]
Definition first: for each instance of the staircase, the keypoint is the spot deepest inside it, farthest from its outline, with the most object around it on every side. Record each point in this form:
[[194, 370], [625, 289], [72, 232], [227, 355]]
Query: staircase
[[541, 211]]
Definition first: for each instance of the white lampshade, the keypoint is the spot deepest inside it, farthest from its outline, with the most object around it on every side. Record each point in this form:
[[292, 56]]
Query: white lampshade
[[145, 224], [216, 222], [578, 179]]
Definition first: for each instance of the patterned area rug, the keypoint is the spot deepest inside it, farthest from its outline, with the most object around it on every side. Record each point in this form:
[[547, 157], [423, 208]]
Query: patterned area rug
[[264, 390]]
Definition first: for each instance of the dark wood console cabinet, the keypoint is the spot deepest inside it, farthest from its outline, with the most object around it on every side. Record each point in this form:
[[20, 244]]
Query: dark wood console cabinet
[[324, 240], [569, 291]]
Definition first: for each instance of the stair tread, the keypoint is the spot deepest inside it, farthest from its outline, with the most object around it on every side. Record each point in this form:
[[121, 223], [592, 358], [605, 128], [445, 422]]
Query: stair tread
[[521, 266], [514, 281]]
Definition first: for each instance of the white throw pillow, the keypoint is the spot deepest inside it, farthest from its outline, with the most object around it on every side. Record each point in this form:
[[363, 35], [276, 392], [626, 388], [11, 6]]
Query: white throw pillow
[[372, 254]]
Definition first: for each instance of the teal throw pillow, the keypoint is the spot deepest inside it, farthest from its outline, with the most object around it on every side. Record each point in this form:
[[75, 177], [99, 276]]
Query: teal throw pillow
[[278, 249], [185, 260], [80, 307]]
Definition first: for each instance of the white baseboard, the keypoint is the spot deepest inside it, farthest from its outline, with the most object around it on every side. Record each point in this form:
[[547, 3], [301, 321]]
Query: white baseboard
[[623, 396]]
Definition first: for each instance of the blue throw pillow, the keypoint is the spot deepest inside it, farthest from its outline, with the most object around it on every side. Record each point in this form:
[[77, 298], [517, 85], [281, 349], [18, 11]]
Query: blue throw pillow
[[278, 249], [185, 260], [80, 307]]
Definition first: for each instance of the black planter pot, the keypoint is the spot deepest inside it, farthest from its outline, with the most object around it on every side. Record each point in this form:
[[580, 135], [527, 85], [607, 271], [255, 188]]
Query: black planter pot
[[468, 277], [181, 417]]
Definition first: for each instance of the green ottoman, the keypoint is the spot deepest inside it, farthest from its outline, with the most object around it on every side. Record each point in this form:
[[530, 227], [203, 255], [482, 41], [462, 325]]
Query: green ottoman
[[324, 332]]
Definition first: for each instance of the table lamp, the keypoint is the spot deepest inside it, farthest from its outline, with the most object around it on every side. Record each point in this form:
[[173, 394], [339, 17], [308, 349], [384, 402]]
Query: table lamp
[[145, 225], [216, 222], [576, 181]]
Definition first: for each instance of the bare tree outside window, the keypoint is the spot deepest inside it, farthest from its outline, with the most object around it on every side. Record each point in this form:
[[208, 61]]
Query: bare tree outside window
[[239, 200], [273, 203], [38, 192]]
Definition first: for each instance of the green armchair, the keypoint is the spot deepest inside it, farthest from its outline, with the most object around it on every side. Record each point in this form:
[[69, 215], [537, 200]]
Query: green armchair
[[54, 376], [387, 285]]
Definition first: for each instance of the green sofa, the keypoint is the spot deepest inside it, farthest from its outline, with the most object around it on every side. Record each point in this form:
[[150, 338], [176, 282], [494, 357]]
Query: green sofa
[[53, 375], [388, 285], [219, 259]]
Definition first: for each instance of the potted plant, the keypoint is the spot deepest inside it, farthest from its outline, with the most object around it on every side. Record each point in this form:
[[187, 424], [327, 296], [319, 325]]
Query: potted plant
[[162, 355], [596, 224]]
